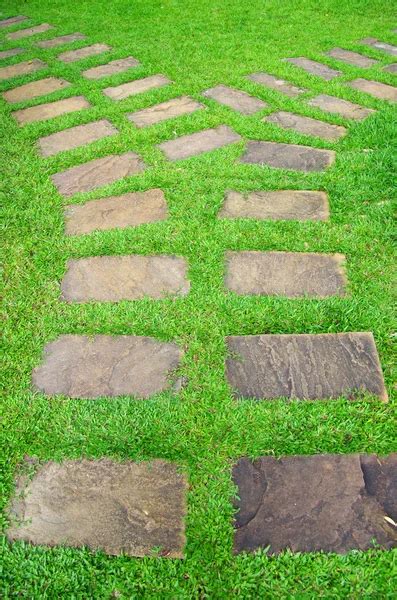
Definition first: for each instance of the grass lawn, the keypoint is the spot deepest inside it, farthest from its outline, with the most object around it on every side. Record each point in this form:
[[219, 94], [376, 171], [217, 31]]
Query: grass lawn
[[197, 44]]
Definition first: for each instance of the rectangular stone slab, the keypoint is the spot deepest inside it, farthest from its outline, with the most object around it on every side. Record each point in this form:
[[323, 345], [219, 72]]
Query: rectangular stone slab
[[304, 366], [111, 68], [284, 205], [74, 137], [199, 142], [166, 110], [275, 83], [374, 43], [323, 502], [117, 507], [346, 109], [12, 21], [235, 99], [306, 125], [61, 40], [50, 110], [97, 172], [116, 278], [22, 68], [128, 210], [81, 53], [391, 68], [11, 52], [288, 156], [120, 92], [314, 68], [23, 33], [42, 87], [352, 58], [291, 274], [374, 88]]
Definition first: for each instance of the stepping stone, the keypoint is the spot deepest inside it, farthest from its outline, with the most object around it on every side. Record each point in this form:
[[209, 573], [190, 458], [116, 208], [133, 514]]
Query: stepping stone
[[283, 205], [61, 40], [12, 21], [391, 68], [12, 52], [375, 88], [116, 278], [22, 68], [23, 33], [276, 84], [324, 502], [306, 125], [166, 110], [75, 137], [290, 274], [352, 58], [235, 99], [81, 53], [120, 92], [315, 68], [118, 507], [112, 68], [304, 366], [199, 142], [42, 87], [288, 156], [97, 172], [346, 109], [43, 112], [374, 43]]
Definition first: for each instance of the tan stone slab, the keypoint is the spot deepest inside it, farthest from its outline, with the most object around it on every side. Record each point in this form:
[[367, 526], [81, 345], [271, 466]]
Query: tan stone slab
[[120, 92], [166, 110], [288, 156], [352, 58], [23, 33], [11, 52], [306, 125], [275, 83], [374, 43], [12, 21], [199, 142], [346, 109], [22, 68], [42, 87], [116, 278], [61, 40], [314, 68], [284, 205], [111, 68], [117, 507], [128, 210], [235, 99], [375, 88], [391, 68], [81, 53], [50, 110], [97, 172], [290, 274], [75, 137]]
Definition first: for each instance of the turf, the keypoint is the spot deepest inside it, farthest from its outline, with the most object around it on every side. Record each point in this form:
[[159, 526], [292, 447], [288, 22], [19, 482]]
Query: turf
[[197, 44]]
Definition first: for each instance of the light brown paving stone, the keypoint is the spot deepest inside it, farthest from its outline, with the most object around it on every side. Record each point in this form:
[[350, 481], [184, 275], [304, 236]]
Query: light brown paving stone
[[285, 205], [375, 88], [81, 53], [374, 43], [199, 142], [79, 366], [22, 68], [11, 52], [288, 156], [117, 507], [352, 58], [12, 21], [391, 68], [23, 33], [325, 502], [43, 112], [75, 137], [315, 68], [275, 83], [166, 110], [235, 99], [128, 210], [291, 274], [120, 92], [35, 89], [306, 125], [115, 278], [97, 172], [111, 68], [60, 40], [304, 366], [346, 109]]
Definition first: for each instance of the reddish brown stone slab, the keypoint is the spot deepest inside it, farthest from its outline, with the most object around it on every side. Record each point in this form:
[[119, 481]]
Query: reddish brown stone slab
[[391, 68], [166, 110], [81, 53], [23, 33], [111, 68], [374, 43], [346, 109], [352, 58], [97, 172], [306, 125], [199, 142], [125, 90], [22, 68], [235, 99], [120, 508], [375, 88], [11, 52], [128, 210], [61, 40], [304, 366], [313, 503], [75, 137], [12, 21], [50, 110], [315, 68], [288, 156], [275, 83], [42, 87]]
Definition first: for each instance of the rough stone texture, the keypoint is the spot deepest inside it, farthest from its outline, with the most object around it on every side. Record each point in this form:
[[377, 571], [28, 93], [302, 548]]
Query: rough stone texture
[[61, 40], [312, 503], [75, 137], [23, 33], [276, 84], [166, 110], [97, 172], [291, 274], [285, 205], [235, 99], [12, 21], [346, 109], [75, 55], [43, 112], [119, 508], [42, 87], [352, 58], [199, 142], [288, 156], [11, 52], [374, 43], [111, 68], [391, 68], [315, 68], [306, 125], [375, 88], [128, 210], [120, 92], [306, 367], [22, 68]]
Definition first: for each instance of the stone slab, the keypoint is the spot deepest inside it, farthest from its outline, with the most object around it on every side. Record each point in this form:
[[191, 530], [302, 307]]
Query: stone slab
[[22, 68], [199, 142], [375, 88], [50, 110], [23, 33], [306, 125], [125, 90], [314, 68], [322, 502], [290, 274], [74, 137], [166, 110], [284, 205], [304, 366], [288, 156], [275, 83], [352, 58], [111, 68], [117, 507], [11, 52], [235, 99], [97, 172], [374, 43], [391, 68], [128, 210], [42, 87], [344, 108], [74, 55], [116, 278], [61, 40], [12, 21]]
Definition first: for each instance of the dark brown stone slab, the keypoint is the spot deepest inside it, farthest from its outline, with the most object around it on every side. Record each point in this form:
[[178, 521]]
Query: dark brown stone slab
[[275, 83], [61, 40], [125, 90], [111, 68], [375, 88], [199, 142], [50, 110], [391, 68], [288, 156], [313, 503], [285, 205], [306, 125], [235, 99], [374, 43], [22, 68], [346, 109], [23, 33], [123, 365], [166, 110], [12, 21], [81, 53], [97, 172], [42, 87], [315, 68], [352, 58], [115, 278], [11, 52], [128, 210], [119, 508], [75, 137]]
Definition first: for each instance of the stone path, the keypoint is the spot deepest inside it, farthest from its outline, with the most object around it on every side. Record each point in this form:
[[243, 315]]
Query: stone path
[[375, 88], [288, 156], [42, 87], [71, 56], [315, 68], [352, 58], [23, 33], [111, 68], [12, 21], [125, 90], [199, 142], [23, 68], [306, 125], [61, 40], [374, 43], [166, 110], [12, 52], [391, 68], [49, 110], [75, 137], [337, 106], [235, 99], [280, 85]]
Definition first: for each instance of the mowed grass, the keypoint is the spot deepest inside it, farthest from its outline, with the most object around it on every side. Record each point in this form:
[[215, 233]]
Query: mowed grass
[[197, 44]]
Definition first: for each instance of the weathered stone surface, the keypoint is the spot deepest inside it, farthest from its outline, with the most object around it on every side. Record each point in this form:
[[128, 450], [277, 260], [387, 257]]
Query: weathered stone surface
[[276, 84], [166, 110], [235, 99], [97, 172], [312, 503], [111, 68], [75, 55], [296, 205], [35, 89], [43, 112], [120, 92], [288, 156], [346, 109], [115, 278], [375, 88], [291, 274], [306, 125], [128, 210], [11, 52], [315, 68], [61, 40], [352, 58], [23, 33], [391, 68], [75, 137], [199, 142], [12, 21], [374, 43], [22, 68], [119, 508]]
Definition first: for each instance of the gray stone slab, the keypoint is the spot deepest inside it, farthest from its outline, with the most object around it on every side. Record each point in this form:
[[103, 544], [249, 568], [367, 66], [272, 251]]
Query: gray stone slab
[[375, 88], [61, 40], [23, 33], [374, 43], [50, 110], [166, 110], [288, 156], [280, 205], [116, 278], [235, 99], [75, 137], [11, 52], [128, 210], [12, 21], [199, 142], [391, 68], [74, 55], [125, 90], [117, 507], [304, 366], [346, 109], [97, 172], [111, 68], [275, 83], [35, 89], [352, 58], [290, 274], [22, 68], [306, 125], [324, 502], [314, 68]]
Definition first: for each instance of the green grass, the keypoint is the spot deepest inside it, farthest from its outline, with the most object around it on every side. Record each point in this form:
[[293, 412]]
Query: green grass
[[197, 44]]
